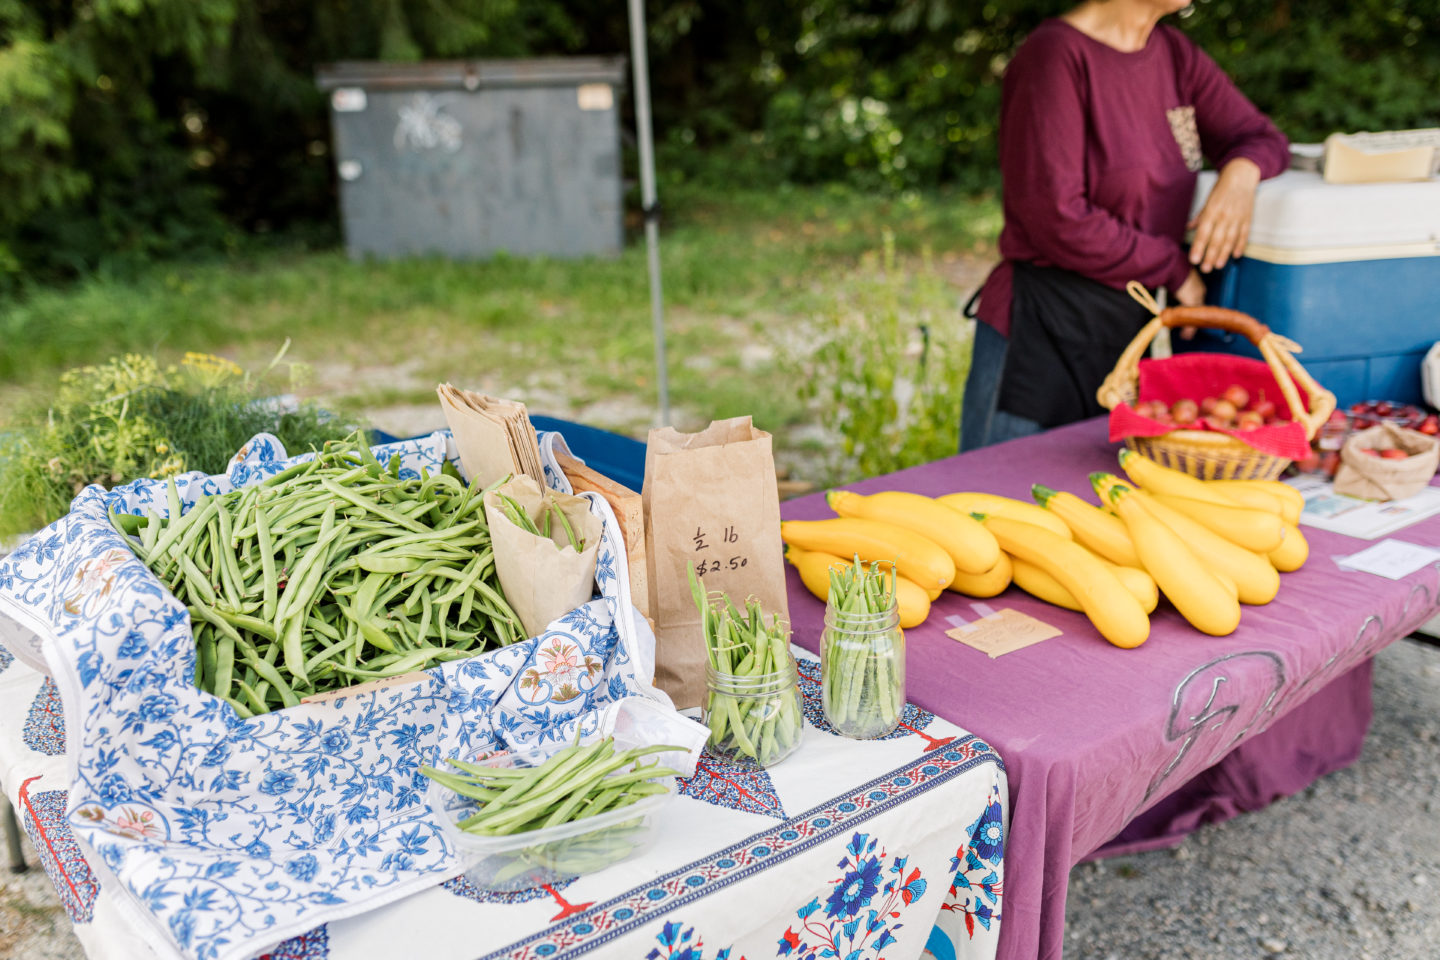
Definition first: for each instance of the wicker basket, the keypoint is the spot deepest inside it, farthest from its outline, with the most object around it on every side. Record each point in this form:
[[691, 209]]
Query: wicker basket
[[1202, 453]]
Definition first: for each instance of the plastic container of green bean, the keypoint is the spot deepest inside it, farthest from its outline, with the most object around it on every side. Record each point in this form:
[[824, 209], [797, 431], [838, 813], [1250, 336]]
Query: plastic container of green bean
[[522, 861]]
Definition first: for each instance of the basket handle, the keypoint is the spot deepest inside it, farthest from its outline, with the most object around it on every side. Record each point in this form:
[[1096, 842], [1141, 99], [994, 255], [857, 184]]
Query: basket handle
[[1277, 351], [1216, 318]]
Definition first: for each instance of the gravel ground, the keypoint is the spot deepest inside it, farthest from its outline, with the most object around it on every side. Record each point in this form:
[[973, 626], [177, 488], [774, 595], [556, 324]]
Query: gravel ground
[[1349, 869]]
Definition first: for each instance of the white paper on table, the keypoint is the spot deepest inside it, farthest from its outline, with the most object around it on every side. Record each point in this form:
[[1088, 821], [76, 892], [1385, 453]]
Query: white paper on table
[[1392, 559], [1363, 519]]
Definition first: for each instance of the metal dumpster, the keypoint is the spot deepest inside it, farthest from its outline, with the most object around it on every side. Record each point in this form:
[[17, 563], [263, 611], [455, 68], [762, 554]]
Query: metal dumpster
[[470, 158]]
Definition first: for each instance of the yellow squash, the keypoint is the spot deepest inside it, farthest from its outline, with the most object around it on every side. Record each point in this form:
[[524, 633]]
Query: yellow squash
[[1270, 495], [1116, 614], [991, 583], [1140, 584], [1256, 579], [996, 506], [1198, 594], [1153, 478], [972, 548], [1257, 530], [1038, 583], [814, 570], [1097, 529], [915, 557], [1042, 586], [1292, 552]]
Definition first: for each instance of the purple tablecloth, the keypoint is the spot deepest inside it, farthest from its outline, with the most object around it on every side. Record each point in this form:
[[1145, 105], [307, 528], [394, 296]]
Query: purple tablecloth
[[1135, 748]]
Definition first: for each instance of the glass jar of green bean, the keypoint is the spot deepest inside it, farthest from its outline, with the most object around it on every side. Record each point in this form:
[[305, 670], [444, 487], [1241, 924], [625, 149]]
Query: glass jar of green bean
[[862, 656], [756, 718]]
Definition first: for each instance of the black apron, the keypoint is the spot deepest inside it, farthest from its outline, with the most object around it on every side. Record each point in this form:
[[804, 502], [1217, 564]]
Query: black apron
[[1066, 333]]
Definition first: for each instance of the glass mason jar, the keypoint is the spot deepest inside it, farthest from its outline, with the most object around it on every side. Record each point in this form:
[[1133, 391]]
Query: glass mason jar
[[757, 718], [862, 671]]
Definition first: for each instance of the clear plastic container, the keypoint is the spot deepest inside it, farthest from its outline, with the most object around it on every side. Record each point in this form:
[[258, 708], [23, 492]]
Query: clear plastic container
[[522, 861], [862, 672], [754, 719]]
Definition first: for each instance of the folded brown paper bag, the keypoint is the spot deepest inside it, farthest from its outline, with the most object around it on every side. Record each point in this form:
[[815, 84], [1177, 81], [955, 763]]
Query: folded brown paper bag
[[493, 436], [543, 577], [711, 500], [1370, 477]]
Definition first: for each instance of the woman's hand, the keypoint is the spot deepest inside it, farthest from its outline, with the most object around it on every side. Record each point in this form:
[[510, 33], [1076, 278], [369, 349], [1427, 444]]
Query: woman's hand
[[1223, 226], [1192, 291], [1190, 294]]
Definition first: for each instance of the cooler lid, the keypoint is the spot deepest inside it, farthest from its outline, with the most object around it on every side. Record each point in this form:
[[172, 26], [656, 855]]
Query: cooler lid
[[1299, 218]]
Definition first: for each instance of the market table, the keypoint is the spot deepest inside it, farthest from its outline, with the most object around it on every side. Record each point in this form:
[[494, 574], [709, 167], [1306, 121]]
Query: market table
[[1112, 750], [882, 846]]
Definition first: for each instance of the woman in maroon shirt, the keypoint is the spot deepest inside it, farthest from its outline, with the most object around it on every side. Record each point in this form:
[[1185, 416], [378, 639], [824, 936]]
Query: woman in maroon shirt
[[1106, 116]]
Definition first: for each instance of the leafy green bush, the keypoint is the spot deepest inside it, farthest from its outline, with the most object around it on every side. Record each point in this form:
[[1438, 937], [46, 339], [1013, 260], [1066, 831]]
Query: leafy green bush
[[137, 130], [887, 378], [129, 417]]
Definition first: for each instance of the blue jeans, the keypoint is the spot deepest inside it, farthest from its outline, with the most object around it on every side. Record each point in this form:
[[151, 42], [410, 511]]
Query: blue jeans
[[981, 424]]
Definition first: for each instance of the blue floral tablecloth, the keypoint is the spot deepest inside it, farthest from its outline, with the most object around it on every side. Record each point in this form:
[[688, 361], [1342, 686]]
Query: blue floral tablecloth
[[848, 849]]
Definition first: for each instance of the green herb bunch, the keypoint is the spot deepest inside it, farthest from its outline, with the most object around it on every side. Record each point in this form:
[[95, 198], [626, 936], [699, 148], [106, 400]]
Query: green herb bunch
[[130, 417]]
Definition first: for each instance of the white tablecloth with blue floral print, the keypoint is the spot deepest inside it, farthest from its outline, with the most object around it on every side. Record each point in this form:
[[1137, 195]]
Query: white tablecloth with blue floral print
[[848, 849], [215, 837]]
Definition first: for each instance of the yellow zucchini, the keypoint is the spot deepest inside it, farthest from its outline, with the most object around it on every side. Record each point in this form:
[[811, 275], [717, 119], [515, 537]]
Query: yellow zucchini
[[972, 548], [996, 506], [991, 583], [1116, 614], [1153, 478], [1196, 592], [1257, 530], [1091, 526], [1255, 578], [1293, 551], [1038, 583], [1264, 495], [915, 557], [814, 570]]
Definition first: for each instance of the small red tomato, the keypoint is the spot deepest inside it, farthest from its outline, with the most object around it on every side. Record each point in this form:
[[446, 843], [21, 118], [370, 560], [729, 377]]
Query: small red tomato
[[1237, 395], [1384, 408], [1393, 454], [1430, 425], [1373, 453]]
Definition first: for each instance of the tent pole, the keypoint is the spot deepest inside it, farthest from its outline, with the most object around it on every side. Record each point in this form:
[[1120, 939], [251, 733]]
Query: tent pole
[[641, 67]]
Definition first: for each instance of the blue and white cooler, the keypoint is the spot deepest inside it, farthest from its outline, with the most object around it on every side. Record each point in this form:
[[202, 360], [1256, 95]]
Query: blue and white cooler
[[1351, 272]]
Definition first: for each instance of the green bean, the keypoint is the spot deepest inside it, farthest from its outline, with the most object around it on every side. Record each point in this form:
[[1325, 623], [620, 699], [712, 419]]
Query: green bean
[[331, 571]]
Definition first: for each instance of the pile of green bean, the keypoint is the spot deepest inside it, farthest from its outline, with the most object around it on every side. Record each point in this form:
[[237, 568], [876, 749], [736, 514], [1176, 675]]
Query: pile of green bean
[[575, 783], [330, 573], [752, 697], [862, 652]]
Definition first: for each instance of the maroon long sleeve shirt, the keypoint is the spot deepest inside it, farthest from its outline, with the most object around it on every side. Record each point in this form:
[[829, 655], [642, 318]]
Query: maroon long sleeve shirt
[[1098, 154]]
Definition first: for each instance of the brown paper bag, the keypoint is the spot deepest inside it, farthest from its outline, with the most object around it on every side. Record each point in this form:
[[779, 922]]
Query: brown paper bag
[[1370, 477], [711, 500], [543, 577]]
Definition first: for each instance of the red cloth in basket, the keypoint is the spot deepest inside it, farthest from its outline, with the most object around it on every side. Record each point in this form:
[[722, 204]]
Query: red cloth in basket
[[1199, 375]]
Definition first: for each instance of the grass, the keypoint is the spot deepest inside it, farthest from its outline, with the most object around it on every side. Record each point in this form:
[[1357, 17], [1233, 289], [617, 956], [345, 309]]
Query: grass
[[749, 278]]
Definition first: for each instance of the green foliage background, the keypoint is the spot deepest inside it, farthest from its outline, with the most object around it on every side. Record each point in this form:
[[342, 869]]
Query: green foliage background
[[138, 129]]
